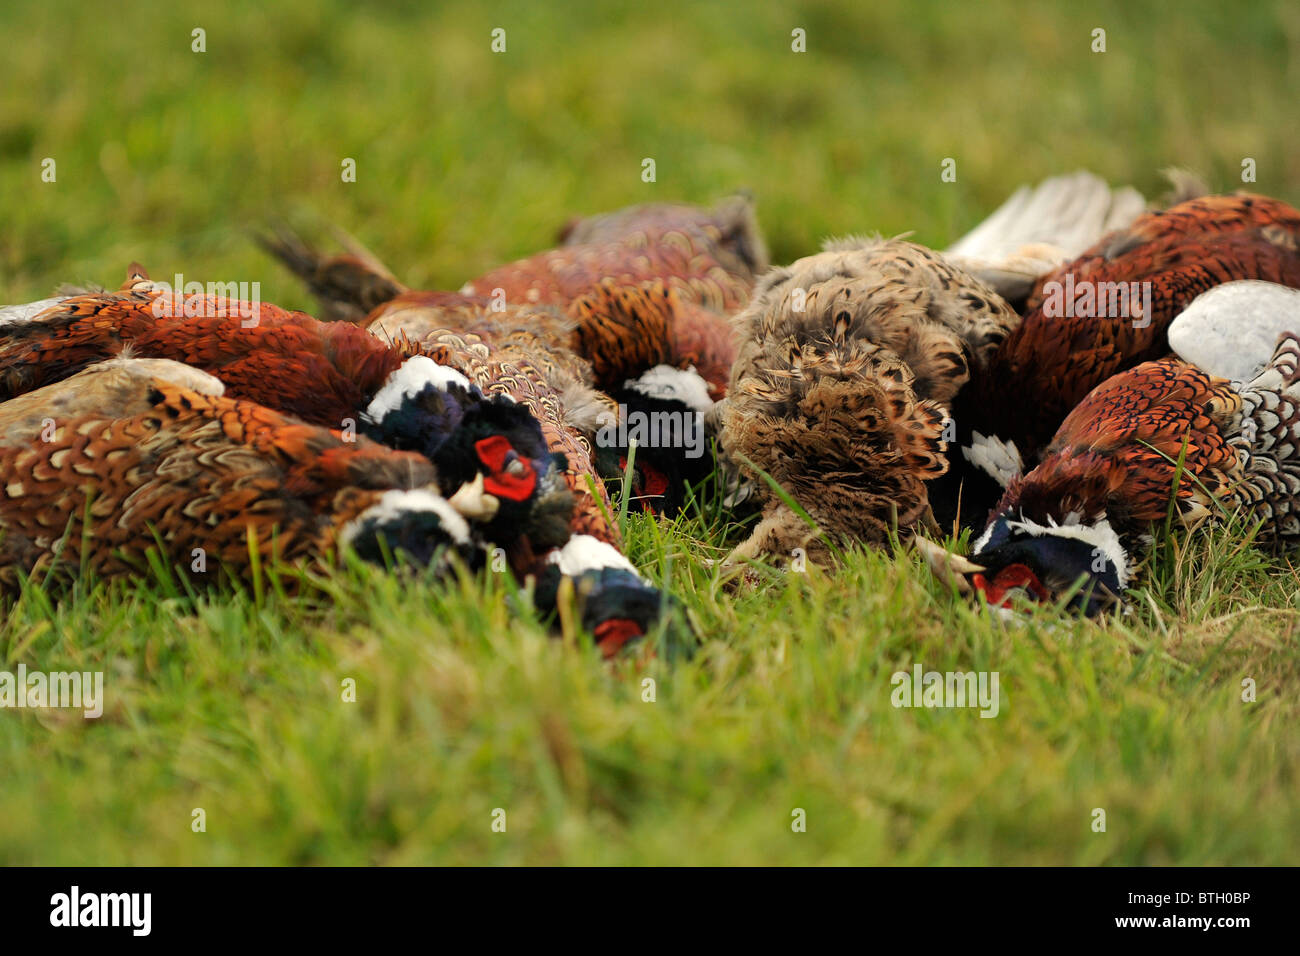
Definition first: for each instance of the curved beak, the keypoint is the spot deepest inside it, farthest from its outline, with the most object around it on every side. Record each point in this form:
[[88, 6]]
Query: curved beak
[[952, 569], [473, 502]]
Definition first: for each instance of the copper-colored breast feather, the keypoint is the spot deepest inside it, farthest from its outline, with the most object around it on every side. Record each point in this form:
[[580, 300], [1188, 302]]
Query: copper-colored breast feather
[[624, 330], [1117, 452], [1201, 219]]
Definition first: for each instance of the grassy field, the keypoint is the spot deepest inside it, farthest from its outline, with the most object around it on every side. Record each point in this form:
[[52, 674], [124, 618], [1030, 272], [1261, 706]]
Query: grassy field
[[466, 158]]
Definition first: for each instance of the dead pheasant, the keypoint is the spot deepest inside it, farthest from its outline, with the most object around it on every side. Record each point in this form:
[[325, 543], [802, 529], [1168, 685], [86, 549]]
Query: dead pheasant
[[1092, 317], [323, 373], [523, 351], [846, 363], [663, 357], [731, 224], [698, 268], [708, 256], [132, 455], [665, 363], [328, 374], [486, 443], [502, 355], [682, 265], [1079, 523]]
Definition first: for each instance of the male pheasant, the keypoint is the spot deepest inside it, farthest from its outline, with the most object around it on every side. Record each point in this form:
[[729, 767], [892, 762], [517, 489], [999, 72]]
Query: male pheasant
[[132, 455], [1085, 322], [486, 444], [502, 354], [1162, 433], [664, 357], [328, 374]]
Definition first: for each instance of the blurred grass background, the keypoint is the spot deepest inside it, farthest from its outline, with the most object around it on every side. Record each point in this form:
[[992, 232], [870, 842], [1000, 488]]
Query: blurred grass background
[[467, 158]]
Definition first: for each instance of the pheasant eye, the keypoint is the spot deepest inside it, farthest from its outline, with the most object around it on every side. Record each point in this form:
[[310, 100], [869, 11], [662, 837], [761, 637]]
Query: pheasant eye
[[517, 468], [492, 452]]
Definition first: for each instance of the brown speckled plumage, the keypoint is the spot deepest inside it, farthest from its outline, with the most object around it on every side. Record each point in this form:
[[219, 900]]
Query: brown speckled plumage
[[846, 360], [731, 224], [697, 267]]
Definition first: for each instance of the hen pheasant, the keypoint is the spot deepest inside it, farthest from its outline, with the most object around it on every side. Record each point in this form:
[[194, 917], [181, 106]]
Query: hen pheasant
[[133, 455], [847, 362]]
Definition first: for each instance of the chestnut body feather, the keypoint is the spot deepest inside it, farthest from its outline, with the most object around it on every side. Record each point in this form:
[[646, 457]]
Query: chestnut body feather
[[320, 372], [1047, 365]]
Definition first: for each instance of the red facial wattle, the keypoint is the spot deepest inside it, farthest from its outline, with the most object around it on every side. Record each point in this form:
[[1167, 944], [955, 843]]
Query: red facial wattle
[[1008, 579], [653, 481], [510, 475], [613, 634], [650, 481]]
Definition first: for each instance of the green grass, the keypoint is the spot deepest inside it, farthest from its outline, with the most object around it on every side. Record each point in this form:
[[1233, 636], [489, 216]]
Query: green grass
[[233, 702]]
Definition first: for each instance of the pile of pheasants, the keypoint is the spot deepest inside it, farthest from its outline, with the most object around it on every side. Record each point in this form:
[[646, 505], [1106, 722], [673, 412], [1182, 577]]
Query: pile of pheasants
[[892, 391]]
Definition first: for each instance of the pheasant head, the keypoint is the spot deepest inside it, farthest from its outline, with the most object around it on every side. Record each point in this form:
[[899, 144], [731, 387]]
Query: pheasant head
[[490, 453], [1145, 440], [1025, 560]]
